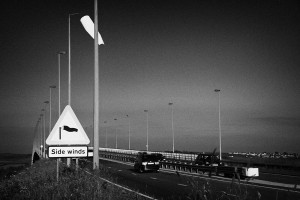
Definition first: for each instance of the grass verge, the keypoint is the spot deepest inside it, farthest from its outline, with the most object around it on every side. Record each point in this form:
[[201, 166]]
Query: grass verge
[[39, 182]]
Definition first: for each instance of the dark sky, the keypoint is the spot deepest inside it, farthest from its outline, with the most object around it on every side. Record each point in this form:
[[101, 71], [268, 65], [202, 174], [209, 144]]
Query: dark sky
[[156, 52]]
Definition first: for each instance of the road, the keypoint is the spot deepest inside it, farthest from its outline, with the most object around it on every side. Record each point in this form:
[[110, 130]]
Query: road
[[172, 185], [280, 178]]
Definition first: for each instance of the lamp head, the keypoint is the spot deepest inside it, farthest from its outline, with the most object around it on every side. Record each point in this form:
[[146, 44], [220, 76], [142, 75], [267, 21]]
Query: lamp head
[[61, 52]]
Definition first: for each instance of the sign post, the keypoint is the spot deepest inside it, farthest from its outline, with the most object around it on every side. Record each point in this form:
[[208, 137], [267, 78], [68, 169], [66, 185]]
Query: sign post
[[68, 138]]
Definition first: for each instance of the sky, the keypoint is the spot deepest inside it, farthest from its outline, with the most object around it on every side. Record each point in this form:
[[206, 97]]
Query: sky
[[156, 52]]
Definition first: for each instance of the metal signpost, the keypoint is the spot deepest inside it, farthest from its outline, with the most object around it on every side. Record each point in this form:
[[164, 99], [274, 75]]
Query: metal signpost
[[68, 138]]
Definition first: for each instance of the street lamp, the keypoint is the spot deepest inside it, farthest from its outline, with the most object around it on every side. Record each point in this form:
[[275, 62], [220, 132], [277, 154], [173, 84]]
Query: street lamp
[[36, 138], [43, 132], [116, 135], [50, 127], [90, 27], [41, 150], [171, 104], [58, 55], [147, 146], [69, 69], [128, 132], [69, 56], [41, 139], [220, 141], [44, 153], [105, 134]]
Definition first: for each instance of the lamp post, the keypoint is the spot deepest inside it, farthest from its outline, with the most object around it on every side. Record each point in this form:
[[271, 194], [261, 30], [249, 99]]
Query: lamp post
[[41, 139], [58, 56], [36, 137], [50, 127], [171, 104], [92, 29], [105, 134], [36, 129], [69, 70], [116, 135], [69, 56], [128, 132], [147, 145], [96, 89], [220, 140], [43, 133], [41, 150], [44, 152]]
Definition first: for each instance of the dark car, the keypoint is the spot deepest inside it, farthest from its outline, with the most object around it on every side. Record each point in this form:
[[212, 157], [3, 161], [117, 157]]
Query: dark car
[[147, 162], [207, 160]]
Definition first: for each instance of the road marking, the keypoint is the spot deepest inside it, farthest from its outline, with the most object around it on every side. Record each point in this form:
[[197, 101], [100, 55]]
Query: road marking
[[251, 182], [278, 174], [217, 178], [119, 170], [182, 185], [125, 188], [153, 178], [133, 174]]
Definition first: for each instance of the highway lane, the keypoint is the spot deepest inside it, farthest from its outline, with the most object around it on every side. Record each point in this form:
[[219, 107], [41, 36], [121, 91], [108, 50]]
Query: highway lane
[[169, 185], [285, 179], [152, 184], [280, 178]]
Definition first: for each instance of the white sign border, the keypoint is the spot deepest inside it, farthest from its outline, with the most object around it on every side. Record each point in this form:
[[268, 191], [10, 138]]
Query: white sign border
[[63, 146]]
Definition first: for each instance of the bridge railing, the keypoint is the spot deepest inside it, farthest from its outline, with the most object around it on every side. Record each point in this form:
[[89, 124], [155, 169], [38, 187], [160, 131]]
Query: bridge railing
[[167, 155], [176, 161]]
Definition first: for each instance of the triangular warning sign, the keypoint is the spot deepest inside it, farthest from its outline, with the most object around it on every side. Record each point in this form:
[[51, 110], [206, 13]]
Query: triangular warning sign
[[67, 130]]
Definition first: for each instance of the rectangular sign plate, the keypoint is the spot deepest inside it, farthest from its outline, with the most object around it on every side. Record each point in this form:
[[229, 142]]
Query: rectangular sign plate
[[67, 151]]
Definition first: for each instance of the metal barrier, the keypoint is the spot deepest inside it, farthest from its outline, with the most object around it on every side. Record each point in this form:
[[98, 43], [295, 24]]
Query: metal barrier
[[176, 161], [169, 156]]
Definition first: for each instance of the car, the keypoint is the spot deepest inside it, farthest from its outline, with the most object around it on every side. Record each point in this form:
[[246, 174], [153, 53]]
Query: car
[[207, 160], [147, 162]]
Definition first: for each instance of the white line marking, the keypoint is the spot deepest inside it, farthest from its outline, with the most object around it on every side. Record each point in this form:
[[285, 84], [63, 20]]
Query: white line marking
[[125, 188], [119, 170], [133, 174], [221, 179], [153, 178]]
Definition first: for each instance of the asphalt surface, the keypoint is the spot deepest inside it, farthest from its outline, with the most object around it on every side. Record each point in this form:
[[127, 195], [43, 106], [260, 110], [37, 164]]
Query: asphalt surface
[[280, 178], [172, 185]]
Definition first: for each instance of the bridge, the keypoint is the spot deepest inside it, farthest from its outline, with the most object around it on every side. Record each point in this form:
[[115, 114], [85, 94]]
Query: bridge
[[180, 165]]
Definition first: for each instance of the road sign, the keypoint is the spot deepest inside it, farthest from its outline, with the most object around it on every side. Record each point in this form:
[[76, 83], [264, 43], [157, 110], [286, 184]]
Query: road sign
[[68, 151], [67, 130]]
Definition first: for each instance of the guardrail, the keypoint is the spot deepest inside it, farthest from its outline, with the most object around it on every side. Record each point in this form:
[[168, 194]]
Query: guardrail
[[169, 156], [117, 156], [180, 162], [227, 171], [189, 158]]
